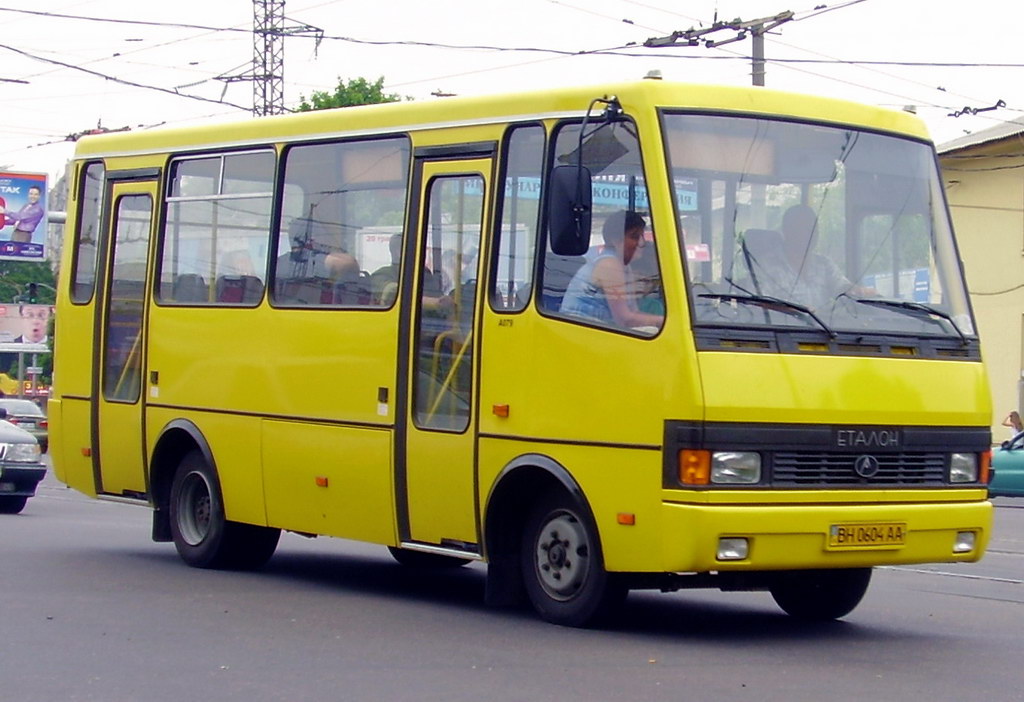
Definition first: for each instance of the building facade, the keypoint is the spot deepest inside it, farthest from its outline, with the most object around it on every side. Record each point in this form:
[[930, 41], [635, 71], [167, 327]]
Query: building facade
[[984, 181]]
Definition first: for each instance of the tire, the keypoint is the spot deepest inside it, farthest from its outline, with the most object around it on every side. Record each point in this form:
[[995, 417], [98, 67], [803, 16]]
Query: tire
[[820, 595], [12, 505], [421, 559], [562, 566], [203, 537]]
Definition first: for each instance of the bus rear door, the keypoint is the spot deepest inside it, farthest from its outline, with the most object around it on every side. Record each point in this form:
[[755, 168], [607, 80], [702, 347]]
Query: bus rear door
[[118, 382]]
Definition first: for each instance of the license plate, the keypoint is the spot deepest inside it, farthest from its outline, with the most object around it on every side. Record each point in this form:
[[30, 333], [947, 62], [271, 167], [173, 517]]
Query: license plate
[[872, 535], [8, 487]]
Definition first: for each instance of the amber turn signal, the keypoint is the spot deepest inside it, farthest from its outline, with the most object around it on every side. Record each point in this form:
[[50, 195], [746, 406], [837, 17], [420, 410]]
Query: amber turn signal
[[694, 467]]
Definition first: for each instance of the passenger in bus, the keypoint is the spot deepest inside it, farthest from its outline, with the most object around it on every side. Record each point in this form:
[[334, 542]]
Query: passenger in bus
[[807, 277], [237, 263], [384, 280], [603, 290], [350, 285]]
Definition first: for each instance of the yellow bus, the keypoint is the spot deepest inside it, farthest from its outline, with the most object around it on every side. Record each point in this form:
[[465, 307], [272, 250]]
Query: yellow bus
[[643, 335]]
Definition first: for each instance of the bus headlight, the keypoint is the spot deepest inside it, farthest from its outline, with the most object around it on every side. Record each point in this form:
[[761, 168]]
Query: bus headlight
[[963, 468], [20, 453], [735, 467]]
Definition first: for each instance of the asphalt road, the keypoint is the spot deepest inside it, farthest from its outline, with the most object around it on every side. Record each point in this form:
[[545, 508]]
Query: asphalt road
[[91, 609]]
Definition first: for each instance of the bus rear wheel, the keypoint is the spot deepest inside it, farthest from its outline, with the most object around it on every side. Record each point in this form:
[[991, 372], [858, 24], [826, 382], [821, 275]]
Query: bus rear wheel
[[202, 535], [562, 566], [820, 595]]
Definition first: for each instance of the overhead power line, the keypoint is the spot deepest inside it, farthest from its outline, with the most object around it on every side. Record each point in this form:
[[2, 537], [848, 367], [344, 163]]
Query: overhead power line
[[118, 20], [115, 79], [616, 50], [756, 29]]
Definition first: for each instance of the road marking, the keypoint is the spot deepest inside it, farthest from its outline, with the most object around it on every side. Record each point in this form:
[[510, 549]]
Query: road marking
[[966, 576]]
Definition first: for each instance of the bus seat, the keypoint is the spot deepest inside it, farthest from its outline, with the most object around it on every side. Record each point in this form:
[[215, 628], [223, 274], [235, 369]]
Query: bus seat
[[353, 290], [190, 287], [558, 272], [239, 289]]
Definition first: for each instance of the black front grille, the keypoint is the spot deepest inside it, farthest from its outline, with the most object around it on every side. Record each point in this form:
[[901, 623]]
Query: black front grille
[[809, 468]]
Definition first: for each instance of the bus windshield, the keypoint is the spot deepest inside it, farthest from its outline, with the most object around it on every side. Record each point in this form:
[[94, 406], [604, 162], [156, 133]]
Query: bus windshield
[[807, 226]]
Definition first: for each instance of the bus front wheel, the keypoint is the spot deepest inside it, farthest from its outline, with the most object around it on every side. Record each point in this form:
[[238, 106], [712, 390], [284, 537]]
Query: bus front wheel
[[562, 566], [820, 595], [203, 537]]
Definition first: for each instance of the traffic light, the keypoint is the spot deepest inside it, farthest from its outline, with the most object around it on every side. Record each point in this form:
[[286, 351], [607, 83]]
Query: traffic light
[[32, 294]]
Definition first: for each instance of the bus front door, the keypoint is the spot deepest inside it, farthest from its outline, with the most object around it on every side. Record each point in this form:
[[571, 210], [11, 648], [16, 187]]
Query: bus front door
[[118, 453], [437, 425]]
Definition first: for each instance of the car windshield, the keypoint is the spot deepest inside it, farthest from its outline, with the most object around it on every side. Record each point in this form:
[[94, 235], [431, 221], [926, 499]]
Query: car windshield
[[21, 407], [806, 226], [1016, 443]]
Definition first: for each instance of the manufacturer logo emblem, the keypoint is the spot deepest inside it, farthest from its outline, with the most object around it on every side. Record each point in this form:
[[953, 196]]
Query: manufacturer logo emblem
[[866, 466]]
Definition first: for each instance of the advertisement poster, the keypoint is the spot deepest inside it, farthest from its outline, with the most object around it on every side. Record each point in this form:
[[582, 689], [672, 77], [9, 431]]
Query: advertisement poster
[[22, 216], [23, 328]]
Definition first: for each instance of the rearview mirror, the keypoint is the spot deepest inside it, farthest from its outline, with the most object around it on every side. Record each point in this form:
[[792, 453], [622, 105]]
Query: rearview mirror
[[569, 210]]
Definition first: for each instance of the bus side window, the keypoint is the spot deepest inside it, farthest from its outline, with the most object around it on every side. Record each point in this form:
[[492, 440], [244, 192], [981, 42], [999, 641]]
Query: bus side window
[[343, 203], [519, 213], [217, 230], [616, 284], [87, 232]]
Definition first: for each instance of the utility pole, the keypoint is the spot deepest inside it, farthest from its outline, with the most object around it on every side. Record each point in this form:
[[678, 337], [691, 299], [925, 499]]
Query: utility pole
[[755, 28], [267, 72]]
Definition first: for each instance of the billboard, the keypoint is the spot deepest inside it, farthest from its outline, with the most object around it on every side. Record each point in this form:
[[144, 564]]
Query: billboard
[[22, 216], [23, 328]]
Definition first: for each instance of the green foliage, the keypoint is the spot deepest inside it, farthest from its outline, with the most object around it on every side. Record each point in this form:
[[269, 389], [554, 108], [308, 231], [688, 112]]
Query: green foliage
[[357, 91], [15, 277]]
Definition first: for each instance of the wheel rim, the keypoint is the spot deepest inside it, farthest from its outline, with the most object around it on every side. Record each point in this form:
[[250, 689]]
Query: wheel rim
[[562, 556], [195, 508]]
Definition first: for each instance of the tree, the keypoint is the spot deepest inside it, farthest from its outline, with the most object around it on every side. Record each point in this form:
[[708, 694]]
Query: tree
[[357, 91], [16, 277]]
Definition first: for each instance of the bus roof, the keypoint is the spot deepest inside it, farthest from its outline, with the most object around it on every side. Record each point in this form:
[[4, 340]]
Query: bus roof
[[499, 108]]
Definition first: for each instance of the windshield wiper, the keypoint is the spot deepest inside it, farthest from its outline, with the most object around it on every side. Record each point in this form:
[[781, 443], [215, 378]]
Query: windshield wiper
[[914, 308], [769, 301]]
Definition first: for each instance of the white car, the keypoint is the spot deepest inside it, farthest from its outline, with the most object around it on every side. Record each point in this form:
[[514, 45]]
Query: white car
[[21, 468]]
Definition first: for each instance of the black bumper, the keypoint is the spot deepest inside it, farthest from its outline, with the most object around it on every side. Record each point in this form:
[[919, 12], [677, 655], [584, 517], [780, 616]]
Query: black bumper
[[20, 480]]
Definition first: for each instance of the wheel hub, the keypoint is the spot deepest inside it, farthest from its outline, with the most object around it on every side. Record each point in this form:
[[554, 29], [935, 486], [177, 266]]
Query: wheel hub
[[562, 556], [195, 509]]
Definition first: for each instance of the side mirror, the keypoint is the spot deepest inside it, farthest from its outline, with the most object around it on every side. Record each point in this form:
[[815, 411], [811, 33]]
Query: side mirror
[[1005, 445], [3, 413], [569, 210]]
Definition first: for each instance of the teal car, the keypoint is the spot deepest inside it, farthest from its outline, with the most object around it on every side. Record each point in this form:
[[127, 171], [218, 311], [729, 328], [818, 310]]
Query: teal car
[[1008, 465]]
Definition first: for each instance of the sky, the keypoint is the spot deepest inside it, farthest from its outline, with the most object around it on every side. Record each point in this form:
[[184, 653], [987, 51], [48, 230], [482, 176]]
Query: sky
[[68, 66]]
